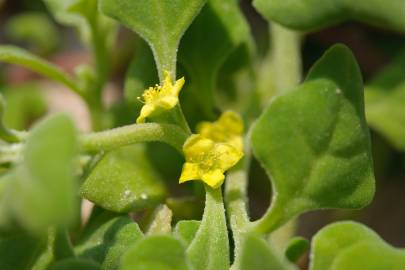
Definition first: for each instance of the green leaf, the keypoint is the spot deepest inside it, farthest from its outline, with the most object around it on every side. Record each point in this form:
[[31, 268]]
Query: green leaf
[[296, 248], [350, 245], [25, 104], [59, 8], [157, 253], [160, 23], [43, 189], [106, 242], [211, 238], [186, 230], [256, 254], [88, 9], [60, 11], [24, 28], [385, 98], [76, 264], [97, 29], [124, 181], [161, 221], [19, 250], [334, 238], [316, 14], [314, 143], [203, 55], [14, 55], [370, 256]]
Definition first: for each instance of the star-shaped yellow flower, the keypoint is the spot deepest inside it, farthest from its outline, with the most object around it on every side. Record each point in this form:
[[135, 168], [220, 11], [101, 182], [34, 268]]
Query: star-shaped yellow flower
[[227, 129], [216, 148], [207, 160], [160, 97]]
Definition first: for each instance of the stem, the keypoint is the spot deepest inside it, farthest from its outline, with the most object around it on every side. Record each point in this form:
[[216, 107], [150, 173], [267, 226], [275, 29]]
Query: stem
[[126, 135], [8, 135], [180, 119], [236, 205], [10, 153], [236, 201], [18, 56], [99, 51], [161, 221], [281, 212], [211, 239], [97, 116], [62, 246], [112, 139], [281, 238], [286, 57], [99, 54], [166, 60]]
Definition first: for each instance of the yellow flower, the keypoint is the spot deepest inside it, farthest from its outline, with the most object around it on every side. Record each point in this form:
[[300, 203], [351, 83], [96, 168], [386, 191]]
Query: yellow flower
[[216, 148], [160, 97], [207, 160], [227, 129]]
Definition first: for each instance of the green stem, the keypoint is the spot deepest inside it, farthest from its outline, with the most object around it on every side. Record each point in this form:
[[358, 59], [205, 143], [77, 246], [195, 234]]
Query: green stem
[[112, 139], [236, 200], [8, 135], [99, 53], [286, 58], [10, 153], [275, 218], [96, 110], [236, 205], [117, 137], [62, 247], [180, 119], [18, 56], [161, 221], [209, 249], [166, 60]]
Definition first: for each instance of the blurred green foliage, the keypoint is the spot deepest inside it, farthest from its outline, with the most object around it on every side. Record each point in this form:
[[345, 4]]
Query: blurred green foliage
[[311, 137]]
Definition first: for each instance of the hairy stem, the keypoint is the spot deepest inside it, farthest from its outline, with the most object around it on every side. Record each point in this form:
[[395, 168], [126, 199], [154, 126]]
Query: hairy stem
[[126, 135], [236, 201], [286, 58], [212, 236], [236, 205], [166, 60]]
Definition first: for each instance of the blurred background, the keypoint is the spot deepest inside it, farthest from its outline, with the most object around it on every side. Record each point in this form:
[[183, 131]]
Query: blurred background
[[27, 23]]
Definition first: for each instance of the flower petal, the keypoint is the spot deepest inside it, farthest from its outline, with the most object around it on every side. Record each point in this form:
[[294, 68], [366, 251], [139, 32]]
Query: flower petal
[[146, 111], [214, 178], [228, 156], [191, 171], [160, 97], [197, 146]]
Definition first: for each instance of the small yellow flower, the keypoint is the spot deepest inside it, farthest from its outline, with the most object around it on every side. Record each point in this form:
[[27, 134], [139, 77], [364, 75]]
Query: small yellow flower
[[160, 97], [216, 148], [207, 160], [227, 129]]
